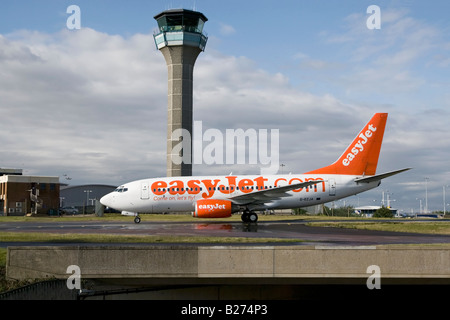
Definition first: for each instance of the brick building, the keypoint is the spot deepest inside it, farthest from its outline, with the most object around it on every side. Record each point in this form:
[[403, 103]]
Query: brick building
[[20, 195]]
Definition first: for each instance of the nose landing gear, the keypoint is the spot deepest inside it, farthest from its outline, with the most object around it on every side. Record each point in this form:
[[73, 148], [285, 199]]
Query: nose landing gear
[[137, 219]]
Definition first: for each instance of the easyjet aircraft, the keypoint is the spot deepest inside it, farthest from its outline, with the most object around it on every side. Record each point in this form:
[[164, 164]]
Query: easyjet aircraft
[[221, 196]]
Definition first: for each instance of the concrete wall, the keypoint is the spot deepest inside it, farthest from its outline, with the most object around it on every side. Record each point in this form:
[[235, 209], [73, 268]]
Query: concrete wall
[[228, 272], [266, 262]]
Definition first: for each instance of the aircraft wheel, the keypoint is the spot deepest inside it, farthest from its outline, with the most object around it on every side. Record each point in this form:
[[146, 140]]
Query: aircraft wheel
[[137, 219], [252, 217], [248, 216]]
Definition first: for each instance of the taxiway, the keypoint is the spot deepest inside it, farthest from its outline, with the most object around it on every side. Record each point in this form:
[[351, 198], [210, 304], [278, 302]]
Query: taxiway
[[281, 229]]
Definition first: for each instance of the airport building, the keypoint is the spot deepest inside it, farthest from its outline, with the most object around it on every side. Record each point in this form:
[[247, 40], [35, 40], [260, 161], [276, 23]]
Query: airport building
[[10, 172], [20, 195], [368, 211], [83, 197]]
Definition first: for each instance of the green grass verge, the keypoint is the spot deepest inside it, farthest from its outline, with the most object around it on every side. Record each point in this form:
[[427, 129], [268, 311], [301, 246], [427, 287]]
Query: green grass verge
[[3, 257], [114, 238]]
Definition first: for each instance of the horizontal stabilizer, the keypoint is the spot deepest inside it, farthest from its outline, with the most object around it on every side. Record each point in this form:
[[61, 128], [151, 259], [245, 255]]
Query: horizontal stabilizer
[[378, 177]]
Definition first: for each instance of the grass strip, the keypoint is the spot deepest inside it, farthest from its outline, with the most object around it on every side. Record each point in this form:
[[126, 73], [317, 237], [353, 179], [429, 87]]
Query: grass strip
[[114, 238], [425, 227]]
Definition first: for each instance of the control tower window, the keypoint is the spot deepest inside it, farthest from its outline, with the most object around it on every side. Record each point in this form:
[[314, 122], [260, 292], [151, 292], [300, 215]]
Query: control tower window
[[181, 23]]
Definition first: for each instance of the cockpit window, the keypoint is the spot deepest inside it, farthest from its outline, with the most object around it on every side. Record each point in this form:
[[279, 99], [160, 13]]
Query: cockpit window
[[121, 189]]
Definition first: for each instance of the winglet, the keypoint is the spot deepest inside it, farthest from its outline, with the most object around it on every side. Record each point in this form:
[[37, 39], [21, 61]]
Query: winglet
[[361, 156]]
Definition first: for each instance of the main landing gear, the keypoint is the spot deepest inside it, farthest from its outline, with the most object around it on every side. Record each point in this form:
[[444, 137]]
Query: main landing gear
[[137, 219], [249, 216]]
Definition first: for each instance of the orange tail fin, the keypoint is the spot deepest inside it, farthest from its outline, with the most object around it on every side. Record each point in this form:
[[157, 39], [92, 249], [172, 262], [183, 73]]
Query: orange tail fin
[[361, 156]]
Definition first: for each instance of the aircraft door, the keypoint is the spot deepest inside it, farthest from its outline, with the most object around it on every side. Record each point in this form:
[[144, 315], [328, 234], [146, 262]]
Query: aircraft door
[[332, 186], [145, 191]]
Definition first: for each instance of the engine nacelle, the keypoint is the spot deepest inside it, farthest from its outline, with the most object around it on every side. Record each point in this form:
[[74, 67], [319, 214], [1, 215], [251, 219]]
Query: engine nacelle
[[213, 208]]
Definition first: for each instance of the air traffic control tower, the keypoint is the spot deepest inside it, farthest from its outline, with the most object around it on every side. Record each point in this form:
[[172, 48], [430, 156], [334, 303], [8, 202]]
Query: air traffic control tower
[[180, 39]]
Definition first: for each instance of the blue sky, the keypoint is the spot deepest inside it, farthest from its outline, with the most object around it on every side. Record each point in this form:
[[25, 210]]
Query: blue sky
[[308, 68]]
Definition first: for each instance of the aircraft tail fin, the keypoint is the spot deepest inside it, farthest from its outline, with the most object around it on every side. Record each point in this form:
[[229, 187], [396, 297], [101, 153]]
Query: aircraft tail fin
[[361, 156]]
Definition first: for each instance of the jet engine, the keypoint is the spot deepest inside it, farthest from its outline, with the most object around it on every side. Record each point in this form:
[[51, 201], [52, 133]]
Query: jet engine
[[213, 208]]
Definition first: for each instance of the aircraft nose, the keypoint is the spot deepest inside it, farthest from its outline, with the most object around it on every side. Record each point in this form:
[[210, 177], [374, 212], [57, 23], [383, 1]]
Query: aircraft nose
[[106, 200]]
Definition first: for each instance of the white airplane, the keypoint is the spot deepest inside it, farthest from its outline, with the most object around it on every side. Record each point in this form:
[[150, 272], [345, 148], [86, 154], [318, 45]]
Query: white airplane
[[221, 196]]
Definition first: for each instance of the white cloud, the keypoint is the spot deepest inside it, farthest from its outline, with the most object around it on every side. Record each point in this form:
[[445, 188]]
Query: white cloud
[[84, 102], [390, 61], [227, 30], [76, 101]]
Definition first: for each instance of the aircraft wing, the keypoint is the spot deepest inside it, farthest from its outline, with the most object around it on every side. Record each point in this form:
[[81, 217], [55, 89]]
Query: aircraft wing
[[378, 177], [268, 195]]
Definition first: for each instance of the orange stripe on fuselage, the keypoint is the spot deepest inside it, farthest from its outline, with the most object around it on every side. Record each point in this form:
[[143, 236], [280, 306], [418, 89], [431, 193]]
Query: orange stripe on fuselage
[[209, 187]]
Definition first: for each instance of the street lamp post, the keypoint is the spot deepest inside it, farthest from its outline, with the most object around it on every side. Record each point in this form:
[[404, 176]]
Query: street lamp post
[[443, 192], [87, 197], [420, 205]]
